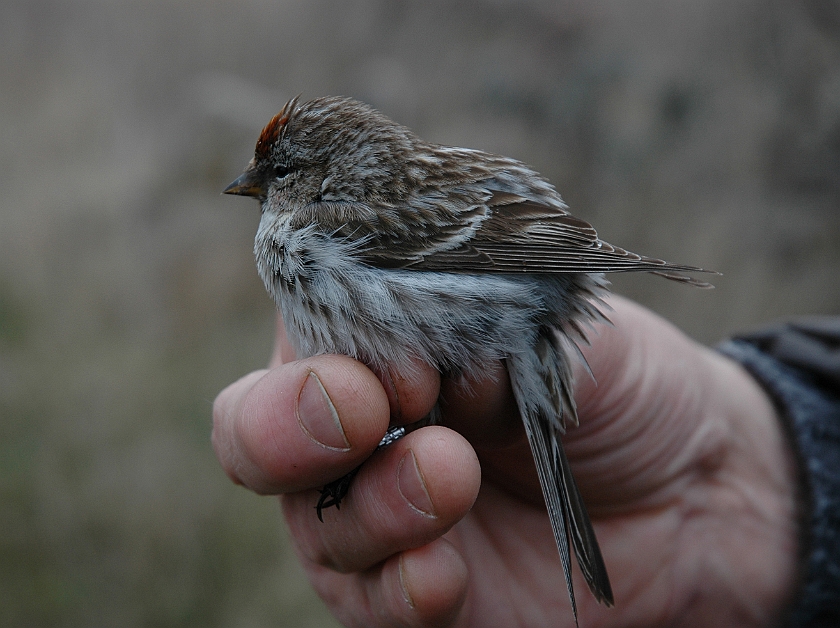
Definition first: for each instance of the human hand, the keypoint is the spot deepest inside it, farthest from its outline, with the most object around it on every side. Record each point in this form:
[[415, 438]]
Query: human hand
[[679, 456]]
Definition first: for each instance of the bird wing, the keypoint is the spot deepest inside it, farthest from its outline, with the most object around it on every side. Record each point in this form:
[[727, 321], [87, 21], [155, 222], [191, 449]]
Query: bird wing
[[479, 227], [519, 234]]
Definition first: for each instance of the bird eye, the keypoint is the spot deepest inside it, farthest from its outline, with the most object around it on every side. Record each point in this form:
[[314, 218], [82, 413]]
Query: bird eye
[[281, 171]]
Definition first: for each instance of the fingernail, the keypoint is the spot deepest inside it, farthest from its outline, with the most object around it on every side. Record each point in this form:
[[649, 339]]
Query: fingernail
[[396, 410], [412, 486], [404, 584], [386, 378], [318, 417]]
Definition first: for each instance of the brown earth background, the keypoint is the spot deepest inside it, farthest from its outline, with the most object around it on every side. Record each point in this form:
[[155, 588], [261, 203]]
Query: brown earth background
[[704, 132]]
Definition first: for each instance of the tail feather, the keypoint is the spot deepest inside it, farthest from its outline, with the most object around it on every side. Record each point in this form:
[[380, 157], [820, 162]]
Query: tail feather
[[543, 441], [544, 420], [583, 536]]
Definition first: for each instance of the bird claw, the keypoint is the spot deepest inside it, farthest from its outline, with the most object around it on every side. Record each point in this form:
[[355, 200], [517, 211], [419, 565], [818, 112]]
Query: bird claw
[[333, 493]]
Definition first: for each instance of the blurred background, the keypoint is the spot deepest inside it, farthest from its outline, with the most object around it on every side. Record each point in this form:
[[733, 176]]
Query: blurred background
[[705, 132]]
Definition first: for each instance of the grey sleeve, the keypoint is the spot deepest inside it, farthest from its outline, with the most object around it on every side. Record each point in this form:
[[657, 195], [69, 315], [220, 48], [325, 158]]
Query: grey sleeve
[[798, 364]]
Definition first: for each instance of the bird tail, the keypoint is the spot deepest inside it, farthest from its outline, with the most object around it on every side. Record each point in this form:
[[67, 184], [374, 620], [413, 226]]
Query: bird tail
[[544, 410]]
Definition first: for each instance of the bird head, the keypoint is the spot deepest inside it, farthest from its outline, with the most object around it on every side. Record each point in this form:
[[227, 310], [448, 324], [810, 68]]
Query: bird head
[[328, 149]]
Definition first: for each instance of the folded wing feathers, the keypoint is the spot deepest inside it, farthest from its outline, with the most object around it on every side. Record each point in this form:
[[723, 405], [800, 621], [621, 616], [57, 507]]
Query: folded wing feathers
[[522, 235]]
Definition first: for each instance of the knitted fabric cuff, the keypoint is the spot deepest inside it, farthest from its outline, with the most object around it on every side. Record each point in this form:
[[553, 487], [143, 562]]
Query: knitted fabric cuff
[[809, 404]]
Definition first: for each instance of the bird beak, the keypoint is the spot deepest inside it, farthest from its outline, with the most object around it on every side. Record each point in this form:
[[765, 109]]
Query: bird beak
[[249, 183]]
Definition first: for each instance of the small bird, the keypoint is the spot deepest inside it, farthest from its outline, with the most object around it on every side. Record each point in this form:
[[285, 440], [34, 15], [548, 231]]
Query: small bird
[[381, 246]]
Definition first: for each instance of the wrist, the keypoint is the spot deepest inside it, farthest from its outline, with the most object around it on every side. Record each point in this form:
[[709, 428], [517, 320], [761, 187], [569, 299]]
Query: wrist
[[746, 539]]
